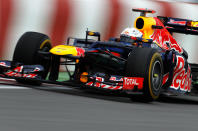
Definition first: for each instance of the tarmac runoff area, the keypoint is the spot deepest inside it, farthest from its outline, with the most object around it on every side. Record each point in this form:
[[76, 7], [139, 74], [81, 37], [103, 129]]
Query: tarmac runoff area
[[58, 108]]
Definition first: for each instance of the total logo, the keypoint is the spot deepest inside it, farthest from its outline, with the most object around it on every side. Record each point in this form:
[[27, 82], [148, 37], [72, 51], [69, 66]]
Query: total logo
[[130, 82]]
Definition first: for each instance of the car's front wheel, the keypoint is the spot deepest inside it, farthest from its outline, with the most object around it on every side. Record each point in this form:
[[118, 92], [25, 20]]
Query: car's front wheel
[[146, 63], [26, 52]]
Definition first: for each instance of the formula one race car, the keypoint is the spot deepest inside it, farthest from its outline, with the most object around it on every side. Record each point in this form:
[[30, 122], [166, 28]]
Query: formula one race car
[[144, 62]]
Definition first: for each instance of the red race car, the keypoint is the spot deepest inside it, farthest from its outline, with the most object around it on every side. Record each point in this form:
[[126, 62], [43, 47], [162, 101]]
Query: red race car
[[144, 62]]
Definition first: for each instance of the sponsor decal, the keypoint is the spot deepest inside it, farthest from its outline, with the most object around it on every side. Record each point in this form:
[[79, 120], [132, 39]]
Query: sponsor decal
[[130, 82], [181, 78], [80, 51], [177, 22], [18, 69], [37, 69], [29, 75], [162, 37], [5, 63], [98, 84], [17, 73], [2, 64]]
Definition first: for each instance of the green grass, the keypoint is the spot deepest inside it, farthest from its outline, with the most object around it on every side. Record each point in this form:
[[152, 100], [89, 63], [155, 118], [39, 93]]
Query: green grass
[[63, 76]]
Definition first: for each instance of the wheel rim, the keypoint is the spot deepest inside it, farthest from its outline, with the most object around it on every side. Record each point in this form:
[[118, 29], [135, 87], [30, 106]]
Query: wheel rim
[[156, 76]]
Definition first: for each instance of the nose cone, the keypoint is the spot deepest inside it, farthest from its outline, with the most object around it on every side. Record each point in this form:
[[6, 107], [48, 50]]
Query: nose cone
[[64, 50]]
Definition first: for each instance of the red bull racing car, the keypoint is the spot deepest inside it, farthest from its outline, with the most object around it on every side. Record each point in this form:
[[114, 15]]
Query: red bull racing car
[[144, 62]]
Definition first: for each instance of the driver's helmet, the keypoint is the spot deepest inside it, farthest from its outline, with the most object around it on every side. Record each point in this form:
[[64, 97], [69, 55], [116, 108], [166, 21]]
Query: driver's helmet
[[129, 33]]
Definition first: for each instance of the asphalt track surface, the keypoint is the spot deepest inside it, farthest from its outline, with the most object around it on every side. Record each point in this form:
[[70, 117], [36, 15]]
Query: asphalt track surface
[[58, 108]]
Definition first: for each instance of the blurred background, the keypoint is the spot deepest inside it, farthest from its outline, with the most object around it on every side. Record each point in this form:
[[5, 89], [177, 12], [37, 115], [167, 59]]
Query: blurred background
[[62, 18]]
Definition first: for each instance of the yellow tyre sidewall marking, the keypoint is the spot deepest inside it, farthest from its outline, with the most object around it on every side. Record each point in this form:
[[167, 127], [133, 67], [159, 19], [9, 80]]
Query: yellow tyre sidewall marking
[[149, 78], [44, 42]]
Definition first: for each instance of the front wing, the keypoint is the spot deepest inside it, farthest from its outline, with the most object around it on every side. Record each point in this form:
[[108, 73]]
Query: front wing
[[11, 70]]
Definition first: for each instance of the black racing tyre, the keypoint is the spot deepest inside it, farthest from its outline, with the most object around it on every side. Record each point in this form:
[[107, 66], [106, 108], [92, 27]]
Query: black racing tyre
[[146, 63], [26, 52]]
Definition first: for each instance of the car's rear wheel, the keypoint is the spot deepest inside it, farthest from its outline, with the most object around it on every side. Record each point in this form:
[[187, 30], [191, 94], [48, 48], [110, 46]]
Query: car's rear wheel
[[146, 63], [26, 52]]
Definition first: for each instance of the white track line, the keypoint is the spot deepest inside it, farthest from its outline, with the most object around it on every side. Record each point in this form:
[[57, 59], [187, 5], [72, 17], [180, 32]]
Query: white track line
[[12, 84], [4, 81], [12, 87]]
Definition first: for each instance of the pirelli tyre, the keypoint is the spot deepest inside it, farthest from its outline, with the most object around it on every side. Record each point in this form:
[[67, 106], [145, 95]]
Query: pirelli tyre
[[26, 52], [146, 63]]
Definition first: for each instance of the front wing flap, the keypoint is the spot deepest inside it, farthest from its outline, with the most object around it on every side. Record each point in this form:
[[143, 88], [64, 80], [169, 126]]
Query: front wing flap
[[116, 83], [18, 70]]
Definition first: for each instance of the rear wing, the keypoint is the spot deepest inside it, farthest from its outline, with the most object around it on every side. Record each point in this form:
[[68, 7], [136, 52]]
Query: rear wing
[[178, 25]]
